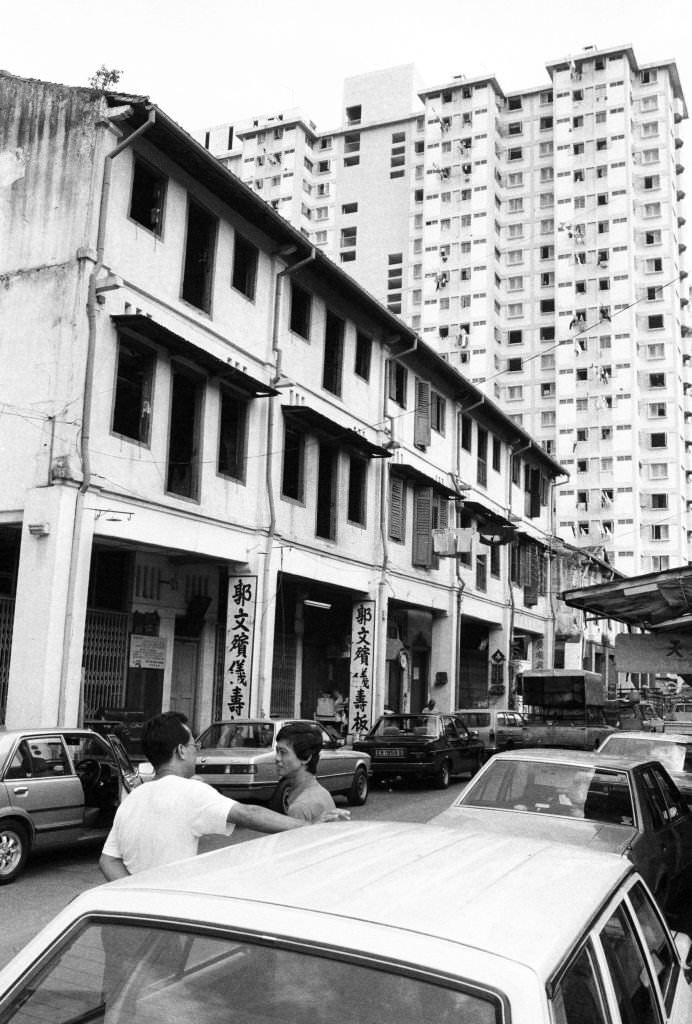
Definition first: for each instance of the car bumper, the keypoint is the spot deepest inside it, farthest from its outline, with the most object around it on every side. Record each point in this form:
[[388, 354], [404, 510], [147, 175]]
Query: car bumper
[[404, 769], [259, 792]]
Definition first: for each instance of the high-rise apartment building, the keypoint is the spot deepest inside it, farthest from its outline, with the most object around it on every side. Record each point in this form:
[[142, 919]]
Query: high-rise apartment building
[[536, 239]]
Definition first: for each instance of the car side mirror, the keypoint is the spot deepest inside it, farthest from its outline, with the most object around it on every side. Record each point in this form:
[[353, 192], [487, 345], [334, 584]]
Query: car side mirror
[[473, 733]]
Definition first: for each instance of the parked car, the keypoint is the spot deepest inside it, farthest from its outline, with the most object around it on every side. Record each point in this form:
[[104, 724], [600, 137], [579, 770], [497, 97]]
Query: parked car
[[359, 923], [238, 758], [633, 716], [497, 728], [58, 787], [624, 805], [426, 746], [681, 718], [673, 750]]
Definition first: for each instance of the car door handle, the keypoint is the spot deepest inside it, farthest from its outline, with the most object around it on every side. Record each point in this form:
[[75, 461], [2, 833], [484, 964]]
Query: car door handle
[[20, 791]]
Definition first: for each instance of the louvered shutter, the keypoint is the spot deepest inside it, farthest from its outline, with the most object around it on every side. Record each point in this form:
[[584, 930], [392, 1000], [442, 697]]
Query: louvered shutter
[[422, 526], [397, 508], [421, 421]]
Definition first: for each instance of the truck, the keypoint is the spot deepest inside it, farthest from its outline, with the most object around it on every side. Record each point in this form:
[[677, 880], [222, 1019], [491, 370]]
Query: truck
[[633, 715], [565, 708]]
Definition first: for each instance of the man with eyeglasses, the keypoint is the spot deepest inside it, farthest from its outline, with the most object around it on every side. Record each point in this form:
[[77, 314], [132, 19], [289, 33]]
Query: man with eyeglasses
[[162, 821]]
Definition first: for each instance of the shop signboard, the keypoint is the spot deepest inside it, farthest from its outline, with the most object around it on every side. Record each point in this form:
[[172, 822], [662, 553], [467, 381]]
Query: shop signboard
[[665, 653], [362, 660], [240, 639]]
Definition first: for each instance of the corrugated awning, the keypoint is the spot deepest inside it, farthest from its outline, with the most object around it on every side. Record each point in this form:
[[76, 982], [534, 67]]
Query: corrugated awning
[[302, 417], [214, 365], [418, 476], [647, 601]]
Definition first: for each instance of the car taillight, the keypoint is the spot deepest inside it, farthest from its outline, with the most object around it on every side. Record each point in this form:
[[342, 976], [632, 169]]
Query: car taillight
[[240, 769]]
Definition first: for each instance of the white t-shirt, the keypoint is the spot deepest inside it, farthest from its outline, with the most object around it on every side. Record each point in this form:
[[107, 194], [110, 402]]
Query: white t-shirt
[[163, 820]]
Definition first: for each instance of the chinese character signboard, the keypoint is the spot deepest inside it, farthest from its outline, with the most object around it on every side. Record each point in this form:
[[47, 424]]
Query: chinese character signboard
[[654, 652], [362, 653], [240, 638]]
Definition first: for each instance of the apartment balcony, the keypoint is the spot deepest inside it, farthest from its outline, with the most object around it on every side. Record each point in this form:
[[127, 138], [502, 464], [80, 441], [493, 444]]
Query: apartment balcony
[[679, 168], [680, 194], [679, 142]]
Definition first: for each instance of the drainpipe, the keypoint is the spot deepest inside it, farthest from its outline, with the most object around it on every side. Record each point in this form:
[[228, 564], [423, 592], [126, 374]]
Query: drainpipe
[[87, 405], [271, 530], [512, 457], [553, 605]]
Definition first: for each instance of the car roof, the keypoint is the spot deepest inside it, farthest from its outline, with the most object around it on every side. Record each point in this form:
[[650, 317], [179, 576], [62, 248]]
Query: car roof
[[578, 758], [425, 879]]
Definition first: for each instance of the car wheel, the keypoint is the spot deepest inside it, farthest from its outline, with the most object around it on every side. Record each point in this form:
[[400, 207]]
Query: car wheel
[[14, 849], [358, 793], [441, 776], [279, 801]]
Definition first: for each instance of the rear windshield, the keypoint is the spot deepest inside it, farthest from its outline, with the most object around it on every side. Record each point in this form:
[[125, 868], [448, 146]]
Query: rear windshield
[[147, 975], [547, 788], [406, 725], [238, 734], [474, 719]]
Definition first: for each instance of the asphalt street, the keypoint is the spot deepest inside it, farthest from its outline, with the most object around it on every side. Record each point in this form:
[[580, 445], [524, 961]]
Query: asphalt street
[[51, 880]]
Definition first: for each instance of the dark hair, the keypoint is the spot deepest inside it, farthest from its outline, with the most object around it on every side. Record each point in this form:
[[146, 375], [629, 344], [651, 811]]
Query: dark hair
[[306, 741], [162, 734]]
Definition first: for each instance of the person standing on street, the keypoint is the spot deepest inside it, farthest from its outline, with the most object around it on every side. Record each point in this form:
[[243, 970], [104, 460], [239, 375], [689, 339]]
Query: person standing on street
[[298, 748], [163, 820]]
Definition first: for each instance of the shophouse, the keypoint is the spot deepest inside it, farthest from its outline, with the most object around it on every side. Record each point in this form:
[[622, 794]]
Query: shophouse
[[234, 481]]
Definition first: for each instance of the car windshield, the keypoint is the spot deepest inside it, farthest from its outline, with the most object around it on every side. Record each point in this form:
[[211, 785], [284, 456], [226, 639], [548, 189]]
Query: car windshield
[[597, 794], [676, 757], [406, 725], [474, 719], [107, 973], [238, 734]]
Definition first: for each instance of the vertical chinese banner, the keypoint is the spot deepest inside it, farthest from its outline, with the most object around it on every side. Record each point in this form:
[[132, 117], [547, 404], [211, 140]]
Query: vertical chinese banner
[[362, 652], [240, 638]]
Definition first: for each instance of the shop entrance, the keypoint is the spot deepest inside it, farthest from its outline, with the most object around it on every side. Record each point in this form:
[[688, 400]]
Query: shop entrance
[[184, 677]]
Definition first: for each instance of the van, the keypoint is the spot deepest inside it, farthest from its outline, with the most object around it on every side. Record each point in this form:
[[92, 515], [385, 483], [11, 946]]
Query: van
[[498, 728]]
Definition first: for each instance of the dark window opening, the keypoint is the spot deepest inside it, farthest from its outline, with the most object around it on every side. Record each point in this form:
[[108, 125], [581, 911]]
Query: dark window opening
[[333, 353], [466, 428], [301, 309], [397, 383], [325, 524], [199, 257], [148, 192], [363, 355], [293, 462], [357, 479], [245, 257], [183, 445], [232, 435], [132, 408]]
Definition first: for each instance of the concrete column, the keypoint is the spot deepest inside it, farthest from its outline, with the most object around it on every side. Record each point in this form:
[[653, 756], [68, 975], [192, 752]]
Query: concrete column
[[45, 677], [442, 660]]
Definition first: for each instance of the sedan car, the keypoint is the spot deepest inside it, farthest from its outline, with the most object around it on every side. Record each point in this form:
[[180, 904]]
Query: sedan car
[[426, 746], [673, 750], [238, 758], [57, 787], [624, 805], [260, 933]]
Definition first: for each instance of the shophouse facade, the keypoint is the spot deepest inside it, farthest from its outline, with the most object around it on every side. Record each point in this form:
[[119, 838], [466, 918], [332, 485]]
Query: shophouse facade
[[235, 482], [537, 239]]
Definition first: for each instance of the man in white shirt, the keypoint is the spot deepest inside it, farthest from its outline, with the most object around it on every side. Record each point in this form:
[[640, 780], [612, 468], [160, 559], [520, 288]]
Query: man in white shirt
[[162, 821]]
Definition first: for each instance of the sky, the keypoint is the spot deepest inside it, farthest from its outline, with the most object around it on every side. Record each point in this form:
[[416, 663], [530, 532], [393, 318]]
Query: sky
[[207, 62]]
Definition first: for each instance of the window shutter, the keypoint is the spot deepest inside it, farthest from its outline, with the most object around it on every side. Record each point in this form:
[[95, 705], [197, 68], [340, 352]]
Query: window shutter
[[422, 526], [442, 513], [421, 422], [397, 508]]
